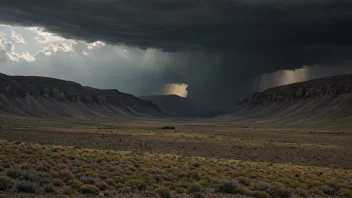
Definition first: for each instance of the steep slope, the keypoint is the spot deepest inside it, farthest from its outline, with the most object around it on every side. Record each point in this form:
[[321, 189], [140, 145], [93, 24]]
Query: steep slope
[[310, 101], [42, 97]]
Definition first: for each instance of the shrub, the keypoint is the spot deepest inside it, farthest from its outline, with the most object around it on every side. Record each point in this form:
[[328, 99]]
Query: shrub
[[49, 189], [7, 165], [68, 191], [346, 192], [183, 184], [66, 175], [195, 164], [170, 185], [102, 185], [316, 191], [44, 181], [301, 192], [5, 182], [194, 187], [198, 195], [244, 180], [243, 190], [125, 189], [119, 185], [13, 173], [27, 186], [71, 157], [194, 175], [179, 190], [335, 186], [168, 177], [30, 175], [203, 182], [261, 186], [136, 184], [111, 182], [76, 184], [54, 174], [89, 180], [226, 186], [163, 192], [25, 166], [260, 194], [42, 168], [58, 182], [89, 189], [279, 190], [327, 189]]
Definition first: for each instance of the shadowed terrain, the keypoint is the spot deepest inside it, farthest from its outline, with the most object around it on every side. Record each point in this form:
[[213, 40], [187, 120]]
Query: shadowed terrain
[[257, 150], [314, 101], [48, 97], [173, 104]]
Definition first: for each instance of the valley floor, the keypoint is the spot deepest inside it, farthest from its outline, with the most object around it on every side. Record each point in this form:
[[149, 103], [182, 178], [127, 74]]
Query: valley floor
[[137, 158]]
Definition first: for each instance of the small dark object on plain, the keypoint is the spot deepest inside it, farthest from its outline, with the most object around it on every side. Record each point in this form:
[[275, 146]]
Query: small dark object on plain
[[168, 127]]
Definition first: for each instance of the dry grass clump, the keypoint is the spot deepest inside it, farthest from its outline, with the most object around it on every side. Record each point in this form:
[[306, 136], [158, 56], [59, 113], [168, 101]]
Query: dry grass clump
[[163, 192], [198, 195], [89, 179], [89, 189], [5, 183], [279, 190], [226, 186], [49, 188], [194, 187], [75, 184], [13, 173], [179, 190], [260, 194], [68, 191], [34, 168], [244, 181], [136, 184], [102, 185], [27, 186]]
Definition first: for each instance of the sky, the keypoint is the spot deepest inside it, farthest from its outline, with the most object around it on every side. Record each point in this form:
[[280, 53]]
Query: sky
[[33, 51], [213, 52]]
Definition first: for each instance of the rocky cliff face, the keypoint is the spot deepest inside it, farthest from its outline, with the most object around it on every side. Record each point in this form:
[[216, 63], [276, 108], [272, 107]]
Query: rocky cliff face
[[315, 101], [332, 86], [51, 90]]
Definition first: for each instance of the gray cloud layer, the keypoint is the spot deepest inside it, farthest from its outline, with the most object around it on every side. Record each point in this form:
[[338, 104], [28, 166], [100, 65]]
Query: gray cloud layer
[[242, 38]]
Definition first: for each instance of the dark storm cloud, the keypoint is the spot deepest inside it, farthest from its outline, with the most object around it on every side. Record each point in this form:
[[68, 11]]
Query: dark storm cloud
[[222, 25], [251, 37]]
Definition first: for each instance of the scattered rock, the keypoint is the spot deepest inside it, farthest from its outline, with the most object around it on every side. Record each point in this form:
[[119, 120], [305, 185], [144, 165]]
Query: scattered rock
[[168, 127]]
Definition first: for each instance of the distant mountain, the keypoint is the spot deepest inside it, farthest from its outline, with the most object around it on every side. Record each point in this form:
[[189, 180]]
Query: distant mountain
[[178, 106], [43, 97], [319, 99], [172, 104]]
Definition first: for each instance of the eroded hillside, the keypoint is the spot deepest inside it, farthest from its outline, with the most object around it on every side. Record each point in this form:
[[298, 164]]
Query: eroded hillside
[[310, 101], [42, 96]]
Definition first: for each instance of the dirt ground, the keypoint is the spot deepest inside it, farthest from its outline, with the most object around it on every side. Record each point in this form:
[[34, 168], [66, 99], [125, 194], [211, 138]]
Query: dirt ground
[[322, 148], [302, 145]]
